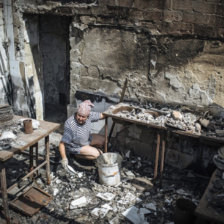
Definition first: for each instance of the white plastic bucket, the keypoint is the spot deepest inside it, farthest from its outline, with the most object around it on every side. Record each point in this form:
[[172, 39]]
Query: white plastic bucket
[[109, 165]]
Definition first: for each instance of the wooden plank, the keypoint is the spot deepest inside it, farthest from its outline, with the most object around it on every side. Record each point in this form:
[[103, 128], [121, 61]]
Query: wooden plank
[[4, 193], [47, 148], [157, 155], [5, 155], [203, 210]]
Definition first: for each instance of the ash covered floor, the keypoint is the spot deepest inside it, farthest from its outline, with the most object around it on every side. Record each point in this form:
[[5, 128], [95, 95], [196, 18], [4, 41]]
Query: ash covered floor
[[80, 198]]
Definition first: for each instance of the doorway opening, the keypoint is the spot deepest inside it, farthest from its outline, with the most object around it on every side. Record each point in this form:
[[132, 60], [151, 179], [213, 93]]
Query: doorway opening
[[55, 48]]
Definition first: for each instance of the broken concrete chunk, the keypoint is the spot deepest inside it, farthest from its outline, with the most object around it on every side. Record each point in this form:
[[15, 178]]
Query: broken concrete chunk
[[168, 201], [129, 198], [8, 135], [35, 124], [80, 202], [182, 192], [55, 191], [177, 115], [144, 211], [204, 122], [101, 212], [115, 220], [198, 127], [127, 154], [150, 206], [129, 174], [80, 174], [106, 196], [219, 133], [134, 216]]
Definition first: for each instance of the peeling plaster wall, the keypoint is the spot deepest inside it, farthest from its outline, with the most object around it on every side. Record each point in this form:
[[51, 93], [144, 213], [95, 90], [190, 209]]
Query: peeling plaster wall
[[171, 51], [106, 57], [4, 83], [33, 64]]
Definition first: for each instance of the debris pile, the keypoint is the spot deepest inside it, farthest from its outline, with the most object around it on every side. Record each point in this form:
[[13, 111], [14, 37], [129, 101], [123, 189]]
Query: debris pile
[[79, 197], [6, 113], [169, 118]]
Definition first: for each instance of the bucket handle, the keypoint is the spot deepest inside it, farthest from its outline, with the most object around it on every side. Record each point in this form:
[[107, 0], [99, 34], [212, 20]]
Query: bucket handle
[[111, 175]]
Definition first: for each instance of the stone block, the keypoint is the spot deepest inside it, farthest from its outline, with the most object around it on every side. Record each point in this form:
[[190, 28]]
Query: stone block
[[89, 83], [93, 71], [177, 28], [205, 31], [203, 7], [87, 19], [219, 21], [126, 3], [185, 5], [136, 14], [219, 10], [149, 4], [172, 16], [190, 17], [110, 2], [220, 32], [105, 20], [152, 15]]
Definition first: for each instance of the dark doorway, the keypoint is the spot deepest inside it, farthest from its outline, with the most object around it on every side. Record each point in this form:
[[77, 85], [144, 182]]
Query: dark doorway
[[55, 48]]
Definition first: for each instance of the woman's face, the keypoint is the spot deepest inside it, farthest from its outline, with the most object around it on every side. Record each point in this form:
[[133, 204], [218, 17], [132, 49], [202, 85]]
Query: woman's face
[[81, 119]]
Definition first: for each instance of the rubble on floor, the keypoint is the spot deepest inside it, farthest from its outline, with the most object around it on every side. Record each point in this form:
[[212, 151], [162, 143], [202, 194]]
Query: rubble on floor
[[78, 197]]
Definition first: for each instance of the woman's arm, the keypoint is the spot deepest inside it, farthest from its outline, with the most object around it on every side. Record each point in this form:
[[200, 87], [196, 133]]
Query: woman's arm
[[102, 116], [62, 150]]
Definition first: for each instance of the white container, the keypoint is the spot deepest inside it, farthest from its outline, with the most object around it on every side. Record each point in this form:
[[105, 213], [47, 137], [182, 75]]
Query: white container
[[109, 165]]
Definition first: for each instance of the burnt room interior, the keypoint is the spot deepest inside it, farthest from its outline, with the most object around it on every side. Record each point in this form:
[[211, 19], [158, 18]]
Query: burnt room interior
[[155, 71]]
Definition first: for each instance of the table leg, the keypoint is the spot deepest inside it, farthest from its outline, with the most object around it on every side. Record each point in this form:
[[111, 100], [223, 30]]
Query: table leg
[[4, 193], [47, 148], [162, 154], [106, 139], [36, 152], [157, 155], [31, 158]]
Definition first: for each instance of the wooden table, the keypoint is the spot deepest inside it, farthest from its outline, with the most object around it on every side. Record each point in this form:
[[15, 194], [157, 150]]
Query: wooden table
[[23, 142], [205, 211], [160, 130]]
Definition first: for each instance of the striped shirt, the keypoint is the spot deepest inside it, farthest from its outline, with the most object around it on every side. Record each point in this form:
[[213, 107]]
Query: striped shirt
[[77, 135]]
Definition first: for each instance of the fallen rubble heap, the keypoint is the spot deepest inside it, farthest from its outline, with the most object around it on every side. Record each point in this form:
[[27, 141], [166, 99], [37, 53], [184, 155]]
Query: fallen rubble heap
[[183, 119], [78, 197]]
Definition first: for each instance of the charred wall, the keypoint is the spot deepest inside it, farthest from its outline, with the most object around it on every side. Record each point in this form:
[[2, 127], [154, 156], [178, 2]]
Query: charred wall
[[171, 51]]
